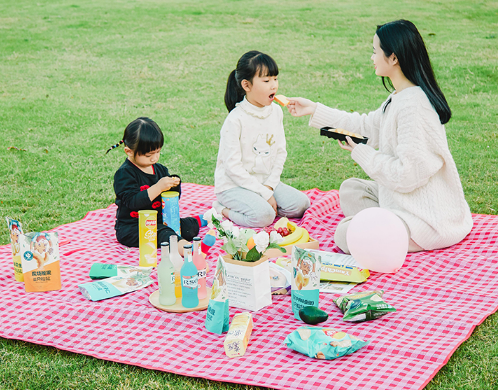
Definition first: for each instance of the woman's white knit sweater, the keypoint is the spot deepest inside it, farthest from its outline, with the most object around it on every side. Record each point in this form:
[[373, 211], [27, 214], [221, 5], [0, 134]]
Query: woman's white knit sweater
[[417, 176]]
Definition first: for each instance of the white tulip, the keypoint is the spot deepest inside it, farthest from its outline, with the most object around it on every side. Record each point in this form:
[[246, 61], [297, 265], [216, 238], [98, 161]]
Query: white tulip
[[235, 231], [275, 237], [262, 240], [209, 215], [227, 226]]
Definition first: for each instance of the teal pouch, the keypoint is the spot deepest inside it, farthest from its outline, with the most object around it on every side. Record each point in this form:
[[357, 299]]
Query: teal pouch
[[323, 343], [217, 317], [112, 287], [305, 280], [217, 314]]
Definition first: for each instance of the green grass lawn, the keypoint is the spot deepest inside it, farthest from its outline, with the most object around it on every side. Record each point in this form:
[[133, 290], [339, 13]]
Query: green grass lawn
[[73, 74]]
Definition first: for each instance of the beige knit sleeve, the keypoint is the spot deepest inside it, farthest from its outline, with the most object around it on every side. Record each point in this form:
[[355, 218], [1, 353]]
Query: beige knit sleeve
[[367, 125]]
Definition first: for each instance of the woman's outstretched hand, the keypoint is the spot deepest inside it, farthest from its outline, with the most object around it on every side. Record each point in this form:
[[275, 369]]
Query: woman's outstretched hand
[[349, 145], [301, 106]]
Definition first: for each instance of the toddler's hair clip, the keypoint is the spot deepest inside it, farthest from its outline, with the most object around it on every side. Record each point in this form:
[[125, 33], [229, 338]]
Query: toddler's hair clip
[[114, 146]]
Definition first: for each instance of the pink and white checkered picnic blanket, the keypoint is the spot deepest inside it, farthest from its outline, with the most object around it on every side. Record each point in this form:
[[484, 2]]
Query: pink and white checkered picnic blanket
[[440, 296]]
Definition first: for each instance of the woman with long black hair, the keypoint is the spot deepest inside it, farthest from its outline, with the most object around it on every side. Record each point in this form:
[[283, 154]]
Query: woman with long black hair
[[407, 156]]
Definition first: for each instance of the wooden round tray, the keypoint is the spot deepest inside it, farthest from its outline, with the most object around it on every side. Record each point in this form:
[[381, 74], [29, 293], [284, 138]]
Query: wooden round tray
[[177, 307]]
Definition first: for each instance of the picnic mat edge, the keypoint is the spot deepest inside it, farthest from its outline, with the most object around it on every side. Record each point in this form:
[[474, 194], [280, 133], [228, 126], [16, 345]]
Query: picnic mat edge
[[478, 319]]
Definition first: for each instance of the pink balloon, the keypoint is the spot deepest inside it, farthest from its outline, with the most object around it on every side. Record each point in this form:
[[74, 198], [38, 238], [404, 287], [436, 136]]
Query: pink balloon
[[377, 239]]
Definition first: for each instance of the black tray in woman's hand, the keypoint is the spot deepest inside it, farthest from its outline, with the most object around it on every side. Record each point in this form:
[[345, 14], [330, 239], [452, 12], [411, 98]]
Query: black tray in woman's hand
[[341, 134]]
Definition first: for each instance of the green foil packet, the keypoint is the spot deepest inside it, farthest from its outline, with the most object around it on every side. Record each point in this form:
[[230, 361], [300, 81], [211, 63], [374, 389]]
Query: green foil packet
[[363, 306], [323, 343]]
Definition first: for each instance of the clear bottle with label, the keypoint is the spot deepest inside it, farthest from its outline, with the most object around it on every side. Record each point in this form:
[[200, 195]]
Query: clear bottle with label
[[177, 262], [190, 281], [166, 277], [200, 264]]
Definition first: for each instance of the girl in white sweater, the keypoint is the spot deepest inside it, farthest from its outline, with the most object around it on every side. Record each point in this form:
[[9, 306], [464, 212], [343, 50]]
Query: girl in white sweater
[[407, 154], [252, 151]]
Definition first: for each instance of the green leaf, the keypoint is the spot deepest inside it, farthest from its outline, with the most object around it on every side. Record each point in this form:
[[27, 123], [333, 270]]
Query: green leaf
[[229, 247], [276, 246], [253, 255], [238, 256]]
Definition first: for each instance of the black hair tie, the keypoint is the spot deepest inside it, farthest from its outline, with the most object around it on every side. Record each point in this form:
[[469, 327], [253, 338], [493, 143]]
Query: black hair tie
[[114, 146]]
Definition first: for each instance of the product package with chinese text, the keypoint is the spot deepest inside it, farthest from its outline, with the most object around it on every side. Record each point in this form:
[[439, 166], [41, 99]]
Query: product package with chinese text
[[15, 230], [117, 285], [305, 280], [103, 271], [363, 306], [40, 261], [217, 315]]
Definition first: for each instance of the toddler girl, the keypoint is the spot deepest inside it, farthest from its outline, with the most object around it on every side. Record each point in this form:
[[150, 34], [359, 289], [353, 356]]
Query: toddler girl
[[252, 151], [138, 184]]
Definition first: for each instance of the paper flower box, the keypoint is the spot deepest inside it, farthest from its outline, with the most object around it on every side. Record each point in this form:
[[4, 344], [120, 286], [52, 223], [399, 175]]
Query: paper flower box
[[248, 283]]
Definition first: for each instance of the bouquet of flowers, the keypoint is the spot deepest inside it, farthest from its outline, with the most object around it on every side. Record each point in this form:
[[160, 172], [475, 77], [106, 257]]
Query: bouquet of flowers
[[242, 244]]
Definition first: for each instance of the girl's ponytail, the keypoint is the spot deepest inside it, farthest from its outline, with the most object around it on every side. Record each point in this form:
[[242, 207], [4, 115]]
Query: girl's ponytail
[[234, 92], [114, 146]]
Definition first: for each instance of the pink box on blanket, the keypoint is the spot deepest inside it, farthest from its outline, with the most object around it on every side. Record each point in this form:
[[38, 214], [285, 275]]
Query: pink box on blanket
[[311, 244]]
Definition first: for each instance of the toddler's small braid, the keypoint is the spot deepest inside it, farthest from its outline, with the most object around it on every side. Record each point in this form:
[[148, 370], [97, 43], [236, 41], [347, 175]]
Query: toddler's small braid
[[114, 146]]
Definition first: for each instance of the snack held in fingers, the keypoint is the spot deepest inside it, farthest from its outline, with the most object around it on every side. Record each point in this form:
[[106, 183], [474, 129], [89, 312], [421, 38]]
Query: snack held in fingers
[[282, 100]]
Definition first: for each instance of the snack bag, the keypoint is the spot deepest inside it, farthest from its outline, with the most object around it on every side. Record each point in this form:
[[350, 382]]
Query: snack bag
[[238, 335], [305, 279], [102, 271], [217, 315], [117, 285], [341, 268], [323, 343], [40, 261], [147, 239], [15, 229], [363, 306]]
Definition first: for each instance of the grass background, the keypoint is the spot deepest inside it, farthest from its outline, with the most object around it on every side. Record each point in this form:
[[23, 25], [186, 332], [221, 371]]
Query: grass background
[[74, 73]]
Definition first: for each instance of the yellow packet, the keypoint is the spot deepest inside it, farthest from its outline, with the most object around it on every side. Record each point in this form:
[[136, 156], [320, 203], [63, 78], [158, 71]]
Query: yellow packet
[[15, 229], [238, 335], [147, 223]]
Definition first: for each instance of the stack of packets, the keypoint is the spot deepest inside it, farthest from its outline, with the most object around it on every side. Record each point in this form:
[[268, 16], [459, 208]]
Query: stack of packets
[[125, 279], [36, 258], [217, 315], [305, 279], [323, 343], [339, 273], [363, 306], [103, 271], [341, 268], [238, 335], [280, 279]]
